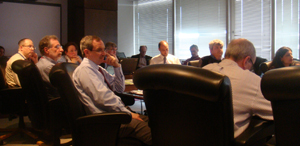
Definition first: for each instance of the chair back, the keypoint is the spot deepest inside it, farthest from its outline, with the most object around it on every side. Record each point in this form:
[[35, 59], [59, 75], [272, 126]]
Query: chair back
[[281, 87], [256, 65], [186, 105], [265, 66], [2, 79], [33, 86], [196, 63], [92, 130], [61, 77]]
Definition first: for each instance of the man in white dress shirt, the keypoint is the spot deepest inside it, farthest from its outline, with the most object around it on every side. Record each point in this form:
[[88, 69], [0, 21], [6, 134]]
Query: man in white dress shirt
[[164, 57], [247, 98]]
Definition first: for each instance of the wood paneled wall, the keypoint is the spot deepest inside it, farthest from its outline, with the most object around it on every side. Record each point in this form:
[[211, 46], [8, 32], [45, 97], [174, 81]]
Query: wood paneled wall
[[93, 17]]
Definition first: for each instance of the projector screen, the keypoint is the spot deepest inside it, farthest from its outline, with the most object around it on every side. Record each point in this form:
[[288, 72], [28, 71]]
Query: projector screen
[[27, 20]]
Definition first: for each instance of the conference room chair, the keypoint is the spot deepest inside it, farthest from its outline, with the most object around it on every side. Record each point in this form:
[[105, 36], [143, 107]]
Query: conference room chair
[[281, 87], [90, 130], [12, 103], [46, 115], [193, 106], [196, 63], [265, 66], [256, 65]]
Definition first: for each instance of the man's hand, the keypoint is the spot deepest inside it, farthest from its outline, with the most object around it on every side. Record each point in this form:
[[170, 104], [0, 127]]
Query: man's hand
[[34, 58], [75, 59], [112, 60], [136, 116]]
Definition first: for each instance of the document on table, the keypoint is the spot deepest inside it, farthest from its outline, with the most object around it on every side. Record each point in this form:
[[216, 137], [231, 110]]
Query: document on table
[[138, 92], [129, 82]]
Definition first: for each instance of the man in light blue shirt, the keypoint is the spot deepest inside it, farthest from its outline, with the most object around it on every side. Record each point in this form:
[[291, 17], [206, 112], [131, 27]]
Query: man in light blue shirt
[[51, 51], [96, 87]]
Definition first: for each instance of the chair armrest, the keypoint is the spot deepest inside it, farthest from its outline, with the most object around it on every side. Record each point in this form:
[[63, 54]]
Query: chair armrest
[[102, 118], [99, 128], [258, 131]]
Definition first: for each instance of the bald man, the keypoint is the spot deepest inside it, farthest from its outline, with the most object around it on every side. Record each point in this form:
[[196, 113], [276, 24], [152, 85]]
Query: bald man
[[25, 52], [164, 57]]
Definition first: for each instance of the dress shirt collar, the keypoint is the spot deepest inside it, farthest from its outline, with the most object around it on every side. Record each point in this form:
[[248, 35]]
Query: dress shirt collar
[[90, 62], [162, 57], [49, 59]]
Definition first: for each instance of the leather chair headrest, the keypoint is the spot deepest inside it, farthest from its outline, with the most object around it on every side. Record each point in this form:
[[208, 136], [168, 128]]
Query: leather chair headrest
[[182, 79], [265, 66], [281, 84]]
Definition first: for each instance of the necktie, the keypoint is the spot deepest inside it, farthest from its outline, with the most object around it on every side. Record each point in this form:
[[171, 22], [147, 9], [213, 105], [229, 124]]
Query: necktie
[[100, 70], [165, 60]]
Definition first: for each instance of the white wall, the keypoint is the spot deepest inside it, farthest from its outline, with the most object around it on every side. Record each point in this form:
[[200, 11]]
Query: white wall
[[33, 21], [125, 27]]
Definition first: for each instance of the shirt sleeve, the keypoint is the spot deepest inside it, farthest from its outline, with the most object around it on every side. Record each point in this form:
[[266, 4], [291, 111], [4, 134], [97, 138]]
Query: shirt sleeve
[[96, 96], [116, 81]]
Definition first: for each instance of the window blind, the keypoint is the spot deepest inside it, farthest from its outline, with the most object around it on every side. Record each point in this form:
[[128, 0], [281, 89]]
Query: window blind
[[253, 22], [153, 23], [287, 25]]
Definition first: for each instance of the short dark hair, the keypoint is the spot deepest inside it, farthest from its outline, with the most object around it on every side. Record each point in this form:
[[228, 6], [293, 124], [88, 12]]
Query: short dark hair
[[45, 42], [1, 47], [194, 46], [87, 43], [142, 47], [22, 41], [109, 45], [68, 45]]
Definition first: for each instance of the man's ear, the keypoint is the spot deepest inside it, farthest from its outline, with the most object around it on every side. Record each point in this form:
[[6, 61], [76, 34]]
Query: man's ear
[[245, 61], [86, 52], [46, 50]]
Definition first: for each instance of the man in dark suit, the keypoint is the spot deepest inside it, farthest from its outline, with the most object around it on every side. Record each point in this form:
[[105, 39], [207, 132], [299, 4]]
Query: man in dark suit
[[143, 59], [216, 51]]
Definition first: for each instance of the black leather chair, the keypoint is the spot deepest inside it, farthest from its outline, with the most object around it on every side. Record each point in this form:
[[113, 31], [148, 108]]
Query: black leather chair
[[12, 102], [281, 87], [90, 130], [196, 63], [265, 66], [192, 106], [256, 65], [46, 116]]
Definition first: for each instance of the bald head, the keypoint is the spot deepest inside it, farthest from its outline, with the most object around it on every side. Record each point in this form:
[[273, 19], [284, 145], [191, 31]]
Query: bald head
[[163, 47], [238, 49]]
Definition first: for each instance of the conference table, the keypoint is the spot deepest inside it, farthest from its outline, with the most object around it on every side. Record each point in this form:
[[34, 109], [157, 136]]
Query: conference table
[[132, 91]]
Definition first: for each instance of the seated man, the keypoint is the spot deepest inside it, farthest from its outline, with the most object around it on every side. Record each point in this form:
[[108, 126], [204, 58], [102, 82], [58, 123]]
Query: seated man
[[247, 98], [26, 52], [143, 59], [216, 51], [51, 51], [96, 87], [164, 57], [110, 48], [194, 51]]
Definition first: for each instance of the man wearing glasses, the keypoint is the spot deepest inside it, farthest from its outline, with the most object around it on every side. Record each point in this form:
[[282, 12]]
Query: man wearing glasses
[[51, 51], [25, 52], [247, 99], [96, 87]]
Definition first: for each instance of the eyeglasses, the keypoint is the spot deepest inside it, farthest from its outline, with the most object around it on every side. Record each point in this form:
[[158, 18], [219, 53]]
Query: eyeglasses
[[113, 49], [58, 46], [30, 47], [99, 50]]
